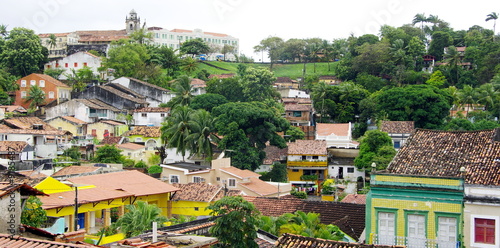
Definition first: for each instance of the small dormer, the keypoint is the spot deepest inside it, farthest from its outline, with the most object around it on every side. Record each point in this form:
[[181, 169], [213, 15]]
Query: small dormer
[[37, 127]]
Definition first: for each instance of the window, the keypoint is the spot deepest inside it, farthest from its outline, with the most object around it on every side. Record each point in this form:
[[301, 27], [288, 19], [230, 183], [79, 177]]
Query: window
[[48, 66], [447, 231], [32, 82], [85, 64], [94, 132], [397, 144], [51, 94], [144, 115], [218, 179], [386, 228], [57, 65], [174, 179], [415, 229], [231, 182], [297, 114], [315, 157], [23, 83], [66, 65], [350, 169], [196, 179], [23, 94], [484, 231], [295, 170], [162, 115], [138, 139], [42, 83], [75, 64], [304, 157], [196, 209]]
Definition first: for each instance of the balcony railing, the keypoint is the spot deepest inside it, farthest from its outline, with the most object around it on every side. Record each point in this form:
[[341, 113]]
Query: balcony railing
[[410, 242], [307, 163]]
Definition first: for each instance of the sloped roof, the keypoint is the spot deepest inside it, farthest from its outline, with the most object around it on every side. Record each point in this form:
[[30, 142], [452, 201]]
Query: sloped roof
[[198, 83], [7, 188], [292, 240], [296, 100], [101, 35], [239, 172], [283, 80], [310, 147], [123, 94], [56, 34], [111, 140], [350, 218], [67, 198], [6, 176], [27, 123], [339, 129], [52, 80], [399, 127], [137, 183], [148, 84], [443, 153], [8, 241], [260, 187], [12, 108], [221, 76], [130, 146], [112, 122], [14, 146], [201, 192], [145, 131], [96, 104], [33, 174], [75, 170], [355, 198], [73, 120], [274, 153]]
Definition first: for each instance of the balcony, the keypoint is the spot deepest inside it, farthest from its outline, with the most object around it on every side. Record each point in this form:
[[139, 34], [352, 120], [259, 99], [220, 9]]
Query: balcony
[[410, 242], [307, 163]]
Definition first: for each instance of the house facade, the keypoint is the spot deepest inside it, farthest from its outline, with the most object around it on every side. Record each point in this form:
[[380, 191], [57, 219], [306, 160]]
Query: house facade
[[337, 135], [307, 162], [71, 124], [399, 131], [87, 110], [76, 62], [106, 128], [148, 136], [16, 150], [151, 116], [54, 89], [153, 95], [298, 114]]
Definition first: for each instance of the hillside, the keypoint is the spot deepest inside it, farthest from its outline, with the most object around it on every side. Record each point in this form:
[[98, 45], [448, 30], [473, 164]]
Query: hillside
[[280, 70]]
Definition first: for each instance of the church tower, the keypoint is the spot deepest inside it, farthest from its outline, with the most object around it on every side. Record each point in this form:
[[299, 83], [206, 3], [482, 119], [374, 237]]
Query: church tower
[[132, 22]]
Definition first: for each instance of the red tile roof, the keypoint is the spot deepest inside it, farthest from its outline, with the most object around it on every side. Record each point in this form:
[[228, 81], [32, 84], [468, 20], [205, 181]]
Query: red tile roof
[[355, 198], [239, 173], [298, 107], [260, 187], [288, 240], [8, 241], [73, 120], [221, 76], [443, 153], [7, 188], [130, 146], [201, 192], [14, 146], [152, 110], [198, 83], [27, 123], [12, 108], [137, 183], [56, 34], [74, 170], [339, 129], [110, 140], [398, 127], [274, 154], [67, 198], [52, 80], [145, 131], [310, 147]]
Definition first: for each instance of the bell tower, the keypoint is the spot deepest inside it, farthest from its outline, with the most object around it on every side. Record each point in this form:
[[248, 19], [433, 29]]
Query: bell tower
[[132, 22]]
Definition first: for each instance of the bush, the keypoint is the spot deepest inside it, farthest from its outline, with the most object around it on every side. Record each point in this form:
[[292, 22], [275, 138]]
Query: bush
[[127, 163], [155, 169], [299, 194], [141, 164]]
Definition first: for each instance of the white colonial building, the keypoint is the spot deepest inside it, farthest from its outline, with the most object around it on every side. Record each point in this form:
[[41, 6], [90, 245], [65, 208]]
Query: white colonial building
[[76, 62]]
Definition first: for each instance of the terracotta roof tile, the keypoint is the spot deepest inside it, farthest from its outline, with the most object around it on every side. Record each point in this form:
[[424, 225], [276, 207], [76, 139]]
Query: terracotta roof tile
[[312, 147], [33, 174], [221, 76], [240, 173], [274, 154], [12, 108], [283, 80], [112, 122], [198, 83], [123, 94], [397, 127], [260, 187], [200, 192], [355, 198], [27, 123], [111, 140], [74, 120], [288, 240], [339, 129], [443, 153], [74, 170], [144, 131], [296, 100], [130, 146], [8, 241], [6, 176], [15, 146], [8, 187], [56, 34], [67, 198], [132, 181]]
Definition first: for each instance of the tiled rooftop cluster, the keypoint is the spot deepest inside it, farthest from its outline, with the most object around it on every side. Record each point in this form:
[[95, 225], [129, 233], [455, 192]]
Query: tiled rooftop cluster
[[7, 241], [311, 147], [144, 131], [294, 241], [201, 192], [397, 127]]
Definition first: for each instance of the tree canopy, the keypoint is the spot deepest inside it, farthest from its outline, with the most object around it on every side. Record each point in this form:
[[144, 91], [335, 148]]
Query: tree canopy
[[22, 52]]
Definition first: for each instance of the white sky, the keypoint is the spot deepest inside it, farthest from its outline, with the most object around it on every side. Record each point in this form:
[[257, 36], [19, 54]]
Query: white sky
[[249, 20]]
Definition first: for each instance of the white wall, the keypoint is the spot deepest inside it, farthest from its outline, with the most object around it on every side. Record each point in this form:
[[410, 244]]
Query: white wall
[[80, 58]]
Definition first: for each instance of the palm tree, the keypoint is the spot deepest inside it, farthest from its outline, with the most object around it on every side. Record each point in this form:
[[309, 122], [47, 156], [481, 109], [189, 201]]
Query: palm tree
[[398, 51], [202, 133], [492, 16], [467, 96], [177, 129], [52, 41], [420, 18], [139, 218], [142, 35], [453, 60], [320, 91], [3, 30], [489, 96], [183, 92], [189, 65], [36, 97]]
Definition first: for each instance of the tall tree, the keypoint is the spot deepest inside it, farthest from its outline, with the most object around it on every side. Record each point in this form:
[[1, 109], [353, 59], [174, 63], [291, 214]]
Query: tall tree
[[183, 92], [492, 16], [189, 65], [227, 49], [439, 41], [273, 46], [127, 59], [3, 30], [467, 97], [108, 154], [51, 41], [194, 47], [22, 52], [142, 35], [176, 130], [202, 133], [420, 18], [237, 224], [376, 147], [258, 85]]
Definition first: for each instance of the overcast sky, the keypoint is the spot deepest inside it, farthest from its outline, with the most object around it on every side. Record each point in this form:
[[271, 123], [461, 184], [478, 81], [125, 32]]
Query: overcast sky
[[249, 20]]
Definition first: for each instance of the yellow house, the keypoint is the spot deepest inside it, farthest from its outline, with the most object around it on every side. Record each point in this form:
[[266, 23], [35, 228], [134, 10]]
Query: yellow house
[[133, 151], [106, 128], [144, 135], [307, 162], [101, 194], [193, 198], [75, 126]]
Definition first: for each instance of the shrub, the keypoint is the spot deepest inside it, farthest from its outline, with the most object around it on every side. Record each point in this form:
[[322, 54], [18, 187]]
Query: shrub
[[299, 194], [155, 169], [141, 164]]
